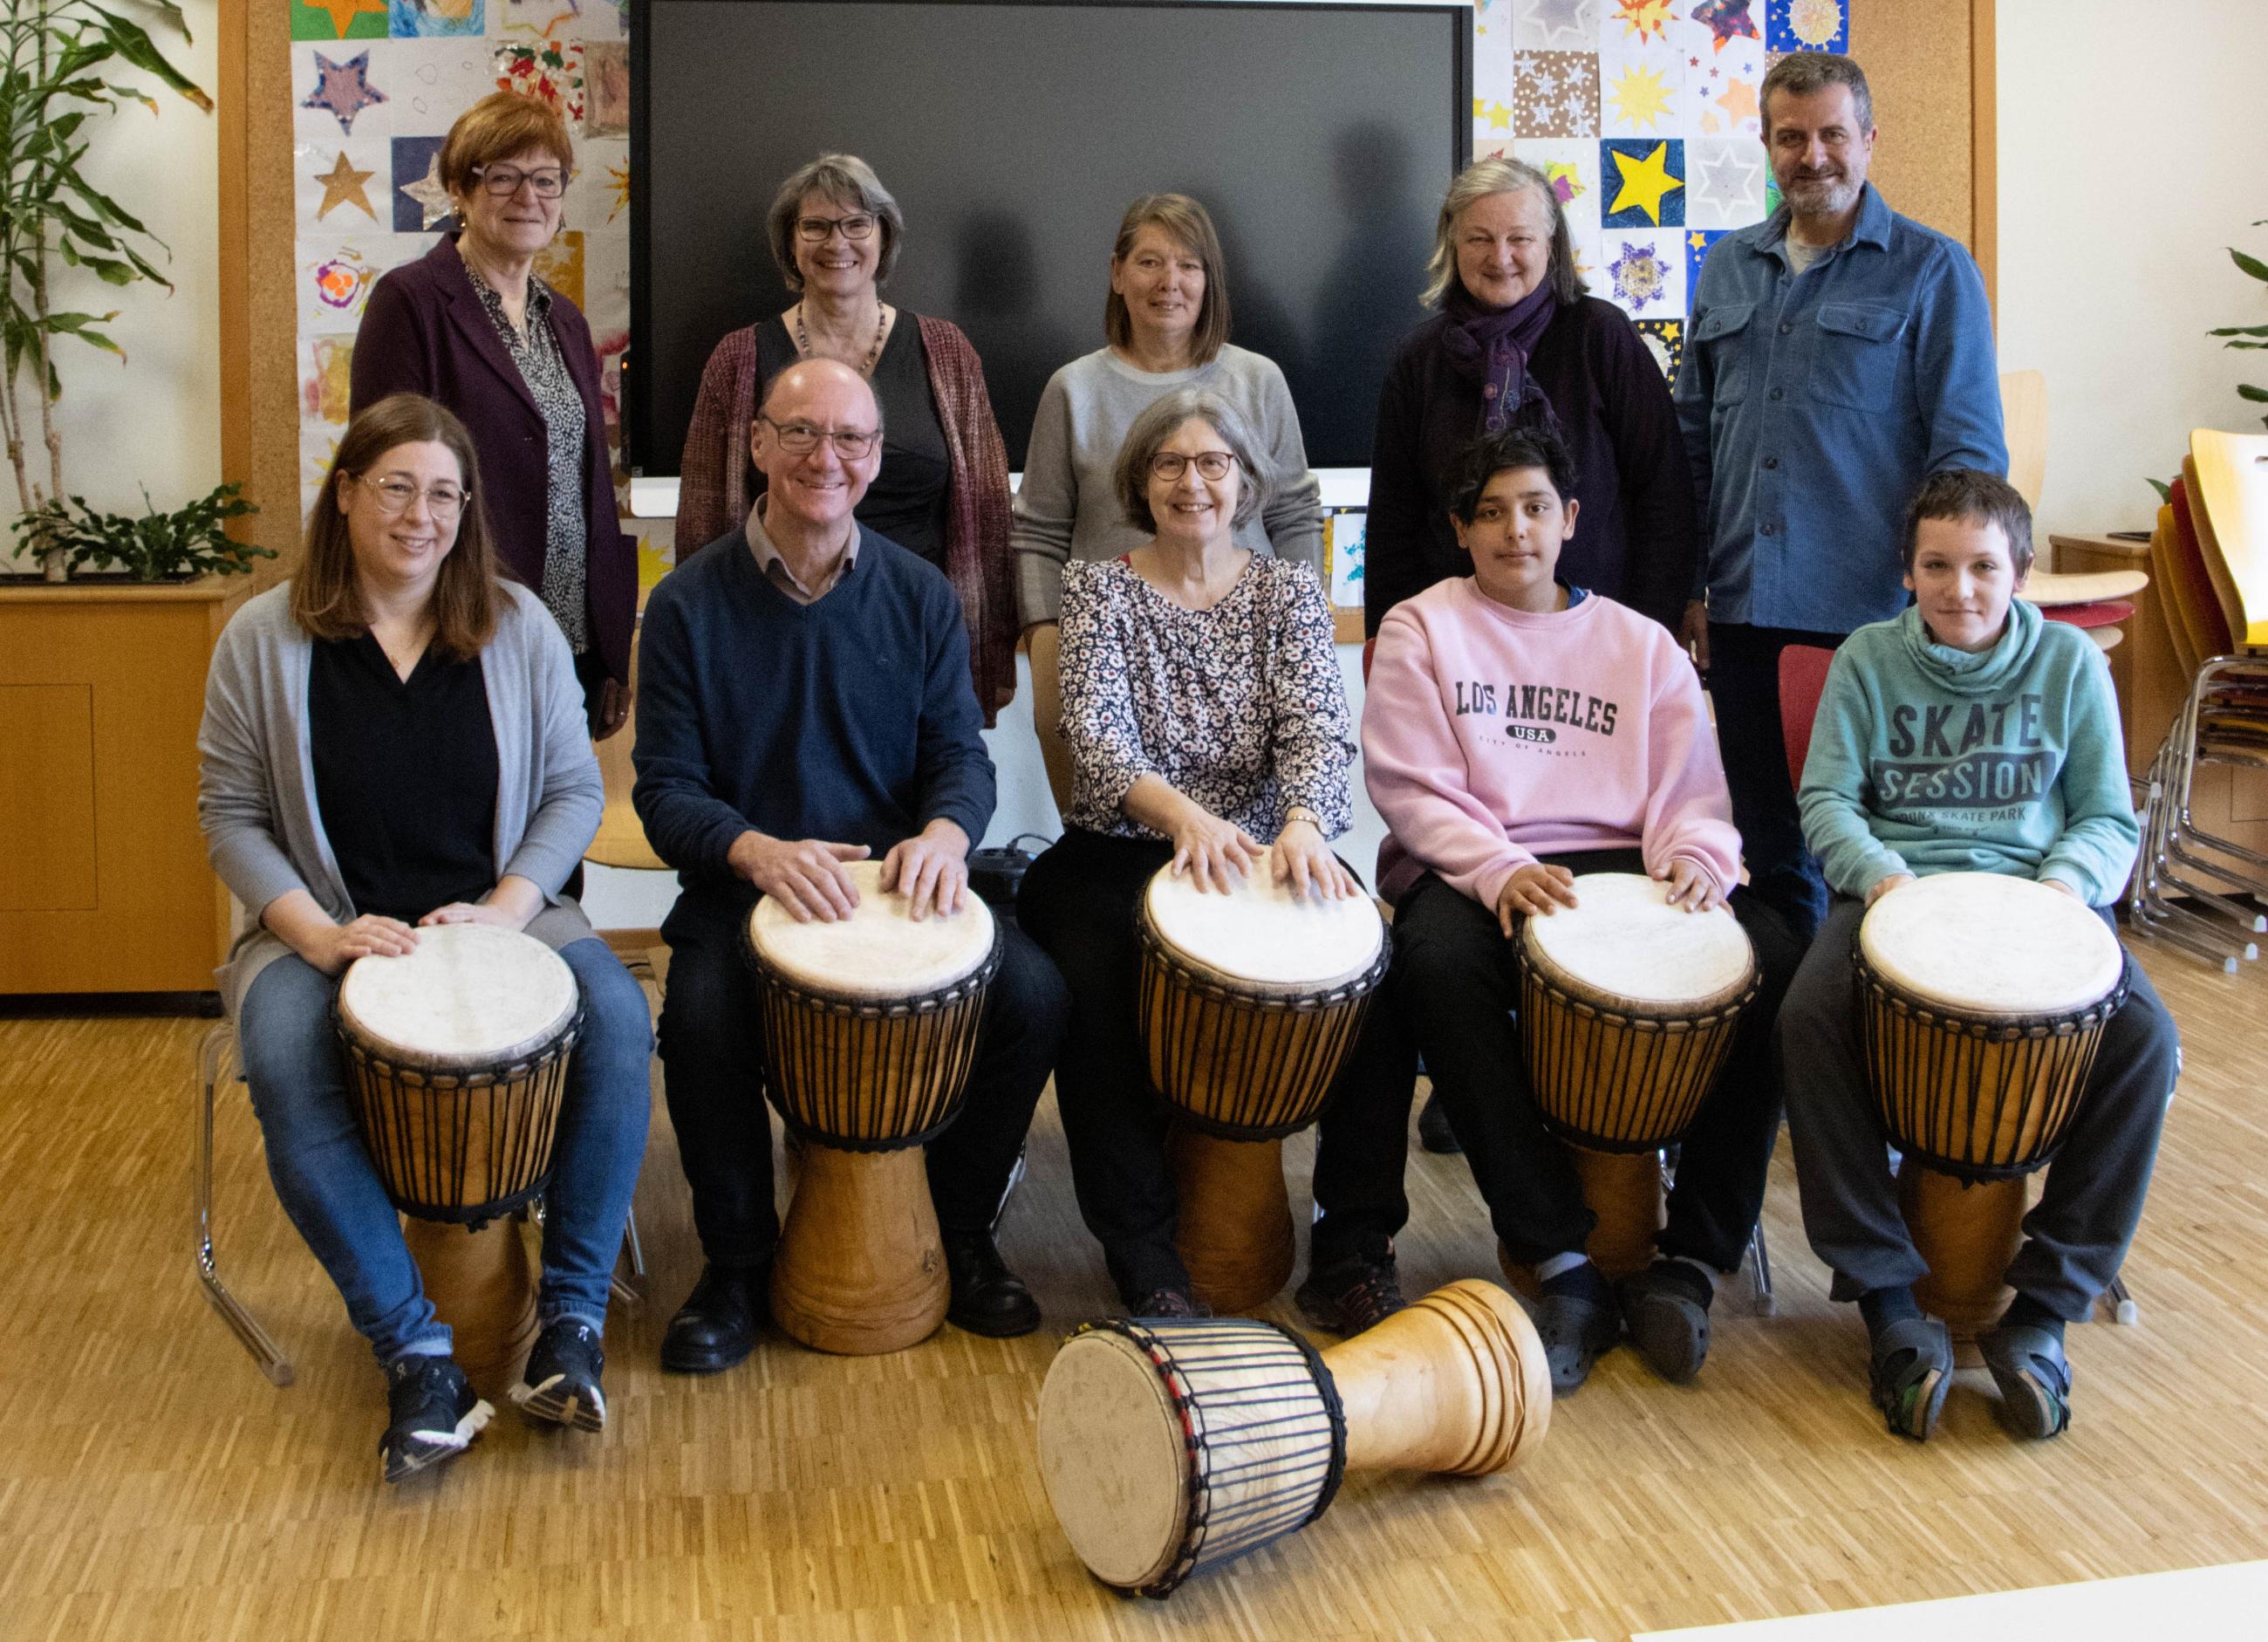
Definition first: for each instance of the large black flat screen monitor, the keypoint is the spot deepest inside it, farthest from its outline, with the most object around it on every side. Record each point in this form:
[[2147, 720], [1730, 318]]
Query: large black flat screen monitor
[[1014, 135]]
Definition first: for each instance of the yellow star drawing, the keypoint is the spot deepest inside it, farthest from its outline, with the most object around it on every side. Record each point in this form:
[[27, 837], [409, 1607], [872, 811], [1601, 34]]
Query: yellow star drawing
[[1644, 17], [343, 12], [1499, 116], [342, 186], [618, 187], [1739, 102], [1640, 97], [1566, 180], [1645, 181]]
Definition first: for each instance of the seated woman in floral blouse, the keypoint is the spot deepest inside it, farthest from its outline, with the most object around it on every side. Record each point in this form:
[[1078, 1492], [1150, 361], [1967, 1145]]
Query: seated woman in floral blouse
[[1208, 729]]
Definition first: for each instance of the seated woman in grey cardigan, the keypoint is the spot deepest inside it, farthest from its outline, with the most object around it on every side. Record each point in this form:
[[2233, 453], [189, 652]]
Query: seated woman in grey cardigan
[[393, 740], [1166, 320]]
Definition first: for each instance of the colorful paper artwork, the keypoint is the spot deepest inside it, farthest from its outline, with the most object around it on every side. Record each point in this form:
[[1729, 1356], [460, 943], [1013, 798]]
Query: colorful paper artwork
[[560, 265], [343, 89], [1725, 182], [1641, 93], [336, 285], [1665, 340], [1556, 94], [1726, 20], [427, 20], [421, 204], [1343, 544], [551, 73], [1556, 25], [1641, 183], [343, 184], [1646, 273], [326, 367], [1697, 241], [338, 20], [548, 19], [607, 88], [1807, 25], [1639, 20]]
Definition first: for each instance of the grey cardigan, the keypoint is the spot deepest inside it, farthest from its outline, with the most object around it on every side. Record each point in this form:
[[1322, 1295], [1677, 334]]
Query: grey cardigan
[[256, 783]]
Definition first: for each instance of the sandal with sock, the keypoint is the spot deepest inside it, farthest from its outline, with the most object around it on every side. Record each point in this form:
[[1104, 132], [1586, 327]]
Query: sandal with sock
[[1909, 1370], [2028, 1364]]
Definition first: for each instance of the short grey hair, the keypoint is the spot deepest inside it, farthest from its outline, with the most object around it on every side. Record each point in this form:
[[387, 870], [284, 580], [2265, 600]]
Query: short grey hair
[[1130, 476], [1800, 73], [845, 178], [1474, 183]]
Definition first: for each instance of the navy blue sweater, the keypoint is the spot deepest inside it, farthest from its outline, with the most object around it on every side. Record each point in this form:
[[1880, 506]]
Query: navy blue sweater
[[852, 719]]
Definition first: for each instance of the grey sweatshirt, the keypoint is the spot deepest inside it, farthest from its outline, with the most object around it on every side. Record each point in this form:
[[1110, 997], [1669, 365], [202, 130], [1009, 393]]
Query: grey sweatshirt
[[1066, 508]]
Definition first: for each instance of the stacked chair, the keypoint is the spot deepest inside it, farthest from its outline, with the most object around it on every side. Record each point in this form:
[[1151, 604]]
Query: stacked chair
[[2202, 892]]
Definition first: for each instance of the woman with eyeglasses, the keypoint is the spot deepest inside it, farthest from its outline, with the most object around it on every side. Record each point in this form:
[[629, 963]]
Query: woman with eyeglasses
[[1208, 730], [1166, 320], [394, 740], [470, 324], [942, 492]]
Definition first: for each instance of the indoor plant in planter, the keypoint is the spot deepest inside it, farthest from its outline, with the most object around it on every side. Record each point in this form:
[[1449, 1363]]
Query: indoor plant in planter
[[52, 56]]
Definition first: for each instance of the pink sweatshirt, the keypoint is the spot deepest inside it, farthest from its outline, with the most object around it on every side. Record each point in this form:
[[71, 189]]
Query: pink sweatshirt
[[1490, 737]]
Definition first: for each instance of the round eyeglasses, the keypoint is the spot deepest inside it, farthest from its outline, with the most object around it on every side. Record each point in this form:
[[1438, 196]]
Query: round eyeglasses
[[1171, 464]]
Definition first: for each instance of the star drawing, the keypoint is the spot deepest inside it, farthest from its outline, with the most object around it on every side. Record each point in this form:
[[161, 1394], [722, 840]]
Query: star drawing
[[343, 12], [1648, 19], [1727, 19], [1498, 115], [1566, 181], [1728, 181], [1641, 98], [1638, 274], [342, 186], [1739, 102], [343, 89], [1555, 20], [432, 199], [1645, 182], [618, 187]]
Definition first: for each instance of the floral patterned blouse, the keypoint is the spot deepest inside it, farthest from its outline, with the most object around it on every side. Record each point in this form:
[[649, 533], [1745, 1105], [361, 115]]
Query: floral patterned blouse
[[1238, 708], [535, 350]]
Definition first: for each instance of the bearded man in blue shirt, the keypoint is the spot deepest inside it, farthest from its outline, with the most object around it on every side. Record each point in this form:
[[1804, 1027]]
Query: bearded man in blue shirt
[[1838, 354]]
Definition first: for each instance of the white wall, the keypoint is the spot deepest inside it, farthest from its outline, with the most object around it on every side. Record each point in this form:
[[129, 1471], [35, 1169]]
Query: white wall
[[154, 420], [2130, 155]]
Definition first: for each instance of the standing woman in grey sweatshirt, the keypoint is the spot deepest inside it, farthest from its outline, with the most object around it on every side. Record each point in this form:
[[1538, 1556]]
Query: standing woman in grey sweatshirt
[[1166, 320]]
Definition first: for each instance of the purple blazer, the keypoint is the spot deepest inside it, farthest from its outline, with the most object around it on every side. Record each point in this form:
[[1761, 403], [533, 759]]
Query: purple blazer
[[425, 332]]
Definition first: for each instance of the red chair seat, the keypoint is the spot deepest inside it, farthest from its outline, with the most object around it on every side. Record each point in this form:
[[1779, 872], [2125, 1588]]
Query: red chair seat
[[2104, 613]]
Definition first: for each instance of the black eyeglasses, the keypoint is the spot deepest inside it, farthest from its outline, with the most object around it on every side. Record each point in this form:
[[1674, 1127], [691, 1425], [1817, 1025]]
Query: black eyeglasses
[[800, 439], [503, 181], [815, 230], [1171, 464]]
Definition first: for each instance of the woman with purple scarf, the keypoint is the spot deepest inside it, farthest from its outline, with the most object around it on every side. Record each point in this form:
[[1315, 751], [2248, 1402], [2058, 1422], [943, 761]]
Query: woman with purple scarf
[[1517, 342]]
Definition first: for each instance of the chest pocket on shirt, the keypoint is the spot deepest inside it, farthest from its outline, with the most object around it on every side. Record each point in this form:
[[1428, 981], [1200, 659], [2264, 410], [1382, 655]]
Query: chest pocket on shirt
[[1722, 338], [1856, 364]]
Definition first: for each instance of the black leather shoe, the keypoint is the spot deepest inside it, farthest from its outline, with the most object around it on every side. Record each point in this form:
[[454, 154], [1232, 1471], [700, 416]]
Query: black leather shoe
[[715, 1327], [987, 1297], [1433, 1131]]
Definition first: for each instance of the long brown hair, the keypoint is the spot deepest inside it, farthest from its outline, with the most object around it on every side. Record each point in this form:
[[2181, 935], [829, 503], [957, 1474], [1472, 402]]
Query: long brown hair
[[1184, 221], [325, 600]]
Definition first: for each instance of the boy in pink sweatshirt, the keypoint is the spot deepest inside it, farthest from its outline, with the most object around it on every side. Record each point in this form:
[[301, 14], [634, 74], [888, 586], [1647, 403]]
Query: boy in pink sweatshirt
[[1517, 733]]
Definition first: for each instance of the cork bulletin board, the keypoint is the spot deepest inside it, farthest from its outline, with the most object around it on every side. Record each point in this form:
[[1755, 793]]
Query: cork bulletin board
[[284, 188]]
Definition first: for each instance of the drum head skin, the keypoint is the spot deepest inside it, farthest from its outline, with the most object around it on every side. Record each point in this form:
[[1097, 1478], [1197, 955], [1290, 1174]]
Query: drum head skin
[[1990, 944], [1264, 936], [471, 996], [1622, 939], [1113, 1459], [879, 951]]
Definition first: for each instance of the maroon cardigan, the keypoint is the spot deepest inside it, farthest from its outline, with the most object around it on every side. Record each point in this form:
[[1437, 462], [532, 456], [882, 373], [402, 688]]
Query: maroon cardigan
[[718, 484], [425, 332]]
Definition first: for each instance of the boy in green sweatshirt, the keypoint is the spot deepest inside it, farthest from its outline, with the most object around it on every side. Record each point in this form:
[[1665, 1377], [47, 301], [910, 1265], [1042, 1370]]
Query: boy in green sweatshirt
[[1968, 734]]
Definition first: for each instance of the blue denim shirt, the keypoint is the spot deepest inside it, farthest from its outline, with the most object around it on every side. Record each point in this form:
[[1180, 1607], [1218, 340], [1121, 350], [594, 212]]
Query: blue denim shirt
[[1812, 404]]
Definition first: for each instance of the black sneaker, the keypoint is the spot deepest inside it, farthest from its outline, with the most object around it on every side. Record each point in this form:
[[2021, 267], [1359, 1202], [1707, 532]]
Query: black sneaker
[[1170, 1302], [1433, 1131], [560, 1382], [987, 1298], [1354, 1294], [432, 1412], [715, 1327]]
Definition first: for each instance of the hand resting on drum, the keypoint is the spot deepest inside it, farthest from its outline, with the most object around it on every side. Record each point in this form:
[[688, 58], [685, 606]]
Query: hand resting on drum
[[1216, 854], [1536, 890], [509, 906], [1883, 885], [930, 869], [1692, 885], [804, 875], [1301, 859], [300, 924]]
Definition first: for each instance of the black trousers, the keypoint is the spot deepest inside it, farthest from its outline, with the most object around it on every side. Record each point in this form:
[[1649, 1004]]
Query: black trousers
[[1078, 901], [2075, 1237], [1744, 688], [712, 1058], [1457, 980]]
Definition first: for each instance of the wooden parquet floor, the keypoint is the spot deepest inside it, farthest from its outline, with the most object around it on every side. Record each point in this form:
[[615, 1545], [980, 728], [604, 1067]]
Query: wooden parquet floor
[[154, 1485]]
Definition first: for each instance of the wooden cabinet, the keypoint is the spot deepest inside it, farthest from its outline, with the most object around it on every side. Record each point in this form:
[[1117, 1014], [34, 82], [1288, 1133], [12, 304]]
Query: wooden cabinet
[[103, 881]]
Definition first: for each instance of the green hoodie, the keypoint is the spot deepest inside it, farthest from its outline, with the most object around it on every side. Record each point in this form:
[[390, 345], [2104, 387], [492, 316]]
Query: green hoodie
[[1928, 759]]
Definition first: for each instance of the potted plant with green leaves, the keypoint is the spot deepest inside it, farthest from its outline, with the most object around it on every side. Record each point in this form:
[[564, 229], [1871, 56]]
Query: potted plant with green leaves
[[2237, 336], [54, 55]]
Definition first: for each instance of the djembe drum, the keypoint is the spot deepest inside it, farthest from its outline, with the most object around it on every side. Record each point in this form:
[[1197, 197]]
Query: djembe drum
[[1627, 1007], [456, 1059], [1169, 1445], [1249, 1003], [870, 1027], [1983, 1000]]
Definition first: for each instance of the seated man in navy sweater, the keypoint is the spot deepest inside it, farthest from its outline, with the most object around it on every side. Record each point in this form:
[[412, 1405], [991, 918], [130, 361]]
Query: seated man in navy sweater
[[804, 700]]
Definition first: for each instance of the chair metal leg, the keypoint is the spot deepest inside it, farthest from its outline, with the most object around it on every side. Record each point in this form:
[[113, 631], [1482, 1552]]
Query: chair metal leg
[[214, 1062], [1760, 1272], [631, 1244], [2122, 1306]]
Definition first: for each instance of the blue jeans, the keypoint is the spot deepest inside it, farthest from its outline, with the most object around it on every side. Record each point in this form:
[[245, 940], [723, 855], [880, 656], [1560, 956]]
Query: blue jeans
[[331, 1191]]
